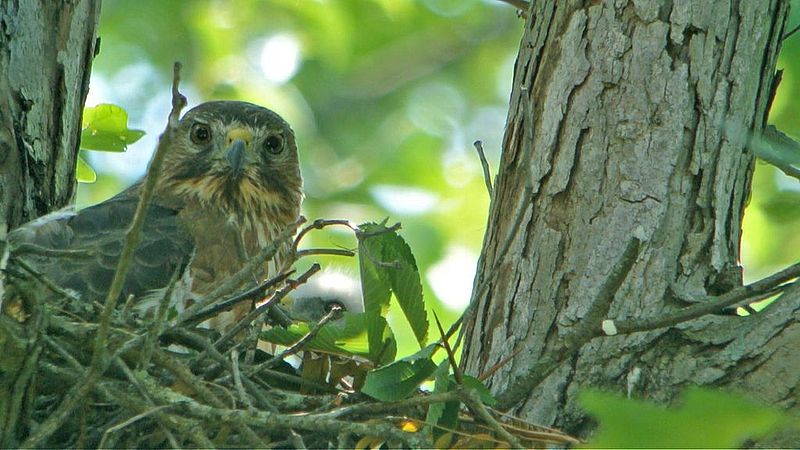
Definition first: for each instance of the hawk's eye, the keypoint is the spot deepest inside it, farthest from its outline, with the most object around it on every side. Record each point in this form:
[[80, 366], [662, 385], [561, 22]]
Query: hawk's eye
[[274, 144], [200, 134]]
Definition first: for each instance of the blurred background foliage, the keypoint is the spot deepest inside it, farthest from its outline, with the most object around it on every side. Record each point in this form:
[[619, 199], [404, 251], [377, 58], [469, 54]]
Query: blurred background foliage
[[386, 98]]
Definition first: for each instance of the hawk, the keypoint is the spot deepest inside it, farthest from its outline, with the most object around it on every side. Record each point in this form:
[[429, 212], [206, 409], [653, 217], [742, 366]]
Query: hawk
[[230, 184]]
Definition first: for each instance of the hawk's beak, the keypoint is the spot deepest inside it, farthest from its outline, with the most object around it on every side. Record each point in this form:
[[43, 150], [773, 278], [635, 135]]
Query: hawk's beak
[[237, 141]]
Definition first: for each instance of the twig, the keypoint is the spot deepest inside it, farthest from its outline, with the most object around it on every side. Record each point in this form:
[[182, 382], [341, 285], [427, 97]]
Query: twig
[[318, 225], [489, 372], [130, 421], [243, 274], [598, 310], [297, 346], [450, 355], [271, 421], [99, 362], [56, 289], [252, 294], [237, 380], [487, 178], [758, 290], [775, 137], [790, 33], [296, 440], [25, 248], [324, 251], [275, 299], [472, 401], [157, 324], [371, 409]]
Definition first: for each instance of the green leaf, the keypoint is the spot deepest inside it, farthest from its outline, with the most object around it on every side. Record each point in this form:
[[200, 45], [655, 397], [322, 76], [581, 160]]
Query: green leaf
[[105, 128], [387, 265], [347, 336], [443, 415], [478, 386], [706, 419], [84, 172], [401, 378]]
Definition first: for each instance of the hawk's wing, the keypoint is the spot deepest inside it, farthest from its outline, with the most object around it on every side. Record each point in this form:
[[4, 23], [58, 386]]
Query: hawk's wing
[[99, 231]]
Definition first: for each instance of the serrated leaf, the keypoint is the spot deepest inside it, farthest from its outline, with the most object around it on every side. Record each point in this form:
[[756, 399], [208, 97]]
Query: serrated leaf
[[347, 336], [706, 419], [401, 378], [84, 172], [105, 128], [387, 265], [477, 385]]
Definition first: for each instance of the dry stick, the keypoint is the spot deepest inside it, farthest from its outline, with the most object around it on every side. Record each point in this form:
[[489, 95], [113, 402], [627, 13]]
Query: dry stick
[[252, 294], [243, 274], [481, 287], [487, 178], [272, 422], [237, 380], [268, 364], [131, 421], [378, 408], [472, 401], [157, 325], [28, 248], [80, 370], [323, 251], [196, 384], [763, 288], [99, 362], [450, 355], [318, 225], [46, 281], [146, 398], [275, 299]]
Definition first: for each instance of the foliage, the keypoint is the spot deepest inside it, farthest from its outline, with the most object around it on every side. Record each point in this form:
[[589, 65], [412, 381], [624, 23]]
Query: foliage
[[105, 128], [705, 419]]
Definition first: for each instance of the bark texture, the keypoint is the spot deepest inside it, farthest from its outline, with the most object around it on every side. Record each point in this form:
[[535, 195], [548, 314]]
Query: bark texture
[[629, 119], [46, 51]]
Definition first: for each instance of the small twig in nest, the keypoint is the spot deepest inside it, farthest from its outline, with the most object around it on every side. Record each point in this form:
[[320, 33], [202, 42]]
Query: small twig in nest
[[243, 274], [297, 346], [274, 300]]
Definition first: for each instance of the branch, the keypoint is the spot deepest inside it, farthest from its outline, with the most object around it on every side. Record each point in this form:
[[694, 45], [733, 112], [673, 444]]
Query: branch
[[487, 178], [758, 290]]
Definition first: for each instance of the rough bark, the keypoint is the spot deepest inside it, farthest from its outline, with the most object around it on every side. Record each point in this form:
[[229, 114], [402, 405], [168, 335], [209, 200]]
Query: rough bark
[[46, 51], [629, 119]]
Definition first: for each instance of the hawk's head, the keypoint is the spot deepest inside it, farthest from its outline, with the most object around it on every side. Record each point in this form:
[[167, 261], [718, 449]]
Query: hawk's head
[[235, 155]]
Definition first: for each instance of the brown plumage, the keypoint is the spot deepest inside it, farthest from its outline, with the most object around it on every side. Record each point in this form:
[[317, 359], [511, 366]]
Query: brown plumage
[[230, 183]]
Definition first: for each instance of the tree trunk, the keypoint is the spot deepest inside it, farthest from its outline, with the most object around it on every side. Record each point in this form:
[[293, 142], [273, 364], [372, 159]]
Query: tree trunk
[[46, 51], [628, 124]]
